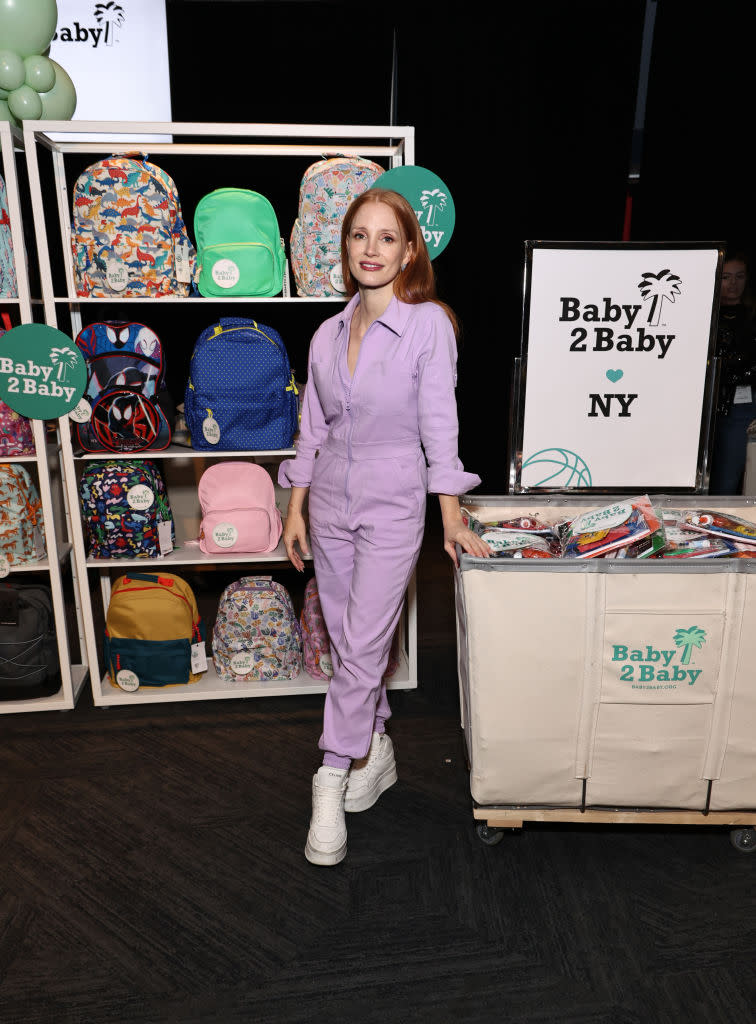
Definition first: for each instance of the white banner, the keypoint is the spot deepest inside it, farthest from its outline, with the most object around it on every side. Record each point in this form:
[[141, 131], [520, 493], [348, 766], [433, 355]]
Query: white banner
[[117, 56], [616, 366]]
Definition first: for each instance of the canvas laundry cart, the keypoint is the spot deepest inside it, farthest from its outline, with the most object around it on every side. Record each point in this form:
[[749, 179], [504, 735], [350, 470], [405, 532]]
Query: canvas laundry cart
[[606, 690]]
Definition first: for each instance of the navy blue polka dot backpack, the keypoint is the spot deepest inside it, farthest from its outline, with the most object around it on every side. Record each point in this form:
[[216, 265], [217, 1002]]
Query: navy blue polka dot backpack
[[241, 394]]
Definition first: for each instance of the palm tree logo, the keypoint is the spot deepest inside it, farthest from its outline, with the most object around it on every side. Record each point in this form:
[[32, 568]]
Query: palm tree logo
[[65, 359], [434, 201], [113, 15], [658, 287], [689, 638]]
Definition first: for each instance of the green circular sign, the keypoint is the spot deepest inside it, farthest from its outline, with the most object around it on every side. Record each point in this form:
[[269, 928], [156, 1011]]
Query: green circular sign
[[42, 372], [430, 199]]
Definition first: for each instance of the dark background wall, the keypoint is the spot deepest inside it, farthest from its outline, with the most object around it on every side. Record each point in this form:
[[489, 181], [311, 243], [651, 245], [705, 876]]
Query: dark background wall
[[525, 110]]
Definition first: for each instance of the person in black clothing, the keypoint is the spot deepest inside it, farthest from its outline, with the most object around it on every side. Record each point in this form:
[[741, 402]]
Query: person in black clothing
[[736, 347]]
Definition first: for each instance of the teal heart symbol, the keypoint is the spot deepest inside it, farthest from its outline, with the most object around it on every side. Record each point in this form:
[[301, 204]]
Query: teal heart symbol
[[614, 375]]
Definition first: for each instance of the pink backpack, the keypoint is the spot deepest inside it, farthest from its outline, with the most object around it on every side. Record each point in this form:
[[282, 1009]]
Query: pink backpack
[[16, 437], [239, 513], [316, 647]]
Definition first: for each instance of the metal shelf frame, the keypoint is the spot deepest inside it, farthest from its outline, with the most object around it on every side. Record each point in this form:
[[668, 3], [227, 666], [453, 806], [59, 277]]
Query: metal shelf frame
[[57, 528], [394, 144]]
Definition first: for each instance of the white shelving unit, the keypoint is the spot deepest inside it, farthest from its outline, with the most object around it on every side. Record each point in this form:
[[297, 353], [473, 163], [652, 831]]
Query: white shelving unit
[[391, 145], [48, 476]]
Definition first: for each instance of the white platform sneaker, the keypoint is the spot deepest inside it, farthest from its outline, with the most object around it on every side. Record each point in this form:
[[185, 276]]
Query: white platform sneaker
[[371, 775], [327, 838]]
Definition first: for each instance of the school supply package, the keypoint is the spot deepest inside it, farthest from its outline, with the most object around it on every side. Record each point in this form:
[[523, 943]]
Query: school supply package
[[22, 529], [256, 634], [327, 188], [125, 510], [239, 246], [239, 513], [29, 664], [131, 410], [241, 394], [128, 235], [154, 635]]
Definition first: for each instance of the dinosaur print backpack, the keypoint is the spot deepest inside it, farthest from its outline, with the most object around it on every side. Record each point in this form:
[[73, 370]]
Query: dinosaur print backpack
[[8, 282], [131, 410], [256, 632], [326, 190], [125, 510], [127, 231], [22, 529]]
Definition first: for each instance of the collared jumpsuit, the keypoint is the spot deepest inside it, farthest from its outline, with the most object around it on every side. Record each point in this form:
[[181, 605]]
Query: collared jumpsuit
[[362, 450]]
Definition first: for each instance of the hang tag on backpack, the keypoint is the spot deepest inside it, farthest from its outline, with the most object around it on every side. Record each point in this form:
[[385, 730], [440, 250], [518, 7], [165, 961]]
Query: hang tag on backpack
[[82, 413], [181, 262], [165, 538], [127, 680], [117, 275], [211, 430], [4, 567], [199, 658], [39, 543]]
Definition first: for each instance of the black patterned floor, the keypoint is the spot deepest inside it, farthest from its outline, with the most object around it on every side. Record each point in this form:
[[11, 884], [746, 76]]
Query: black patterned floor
[[152, 870]]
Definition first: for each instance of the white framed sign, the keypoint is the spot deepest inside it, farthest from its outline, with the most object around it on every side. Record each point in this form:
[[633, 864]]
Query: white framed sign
[[116, 54], [617, 376]]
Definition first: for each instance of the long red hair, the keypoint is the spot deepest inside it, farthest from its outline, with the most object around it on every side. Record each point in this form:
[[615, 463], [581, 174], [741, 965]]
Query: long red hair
[[417, 282]]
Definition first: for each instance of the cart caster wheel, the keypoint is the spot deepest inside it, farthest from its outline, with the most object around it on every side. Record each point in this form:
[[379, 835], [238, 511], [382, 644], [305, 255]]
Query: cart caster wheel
[[744, 839], [488, 834]]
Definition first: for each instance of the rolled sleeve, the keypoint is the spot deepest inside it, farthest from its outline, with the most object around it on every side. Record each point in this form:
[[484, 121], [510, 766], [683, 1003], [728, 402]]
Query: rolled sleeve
[[437, 410]]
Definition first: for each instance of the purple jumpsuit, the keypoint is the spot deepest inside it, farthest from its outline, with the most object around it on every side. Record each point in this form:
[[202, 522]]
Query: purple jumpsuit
[[360, 453]]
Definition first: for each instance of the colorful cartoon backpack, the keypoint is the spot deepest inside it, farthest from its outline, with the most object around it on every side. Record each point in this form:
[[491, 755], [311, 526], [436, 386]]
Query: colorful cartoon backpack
[[128, 235], [316, 646], [241, 394], [8, 282], [327, 188], [256, 633], [16, 436], [125, 510], [239, 246], [29, 665], [151, 627], [239, 512], [22, 529], [131, 408]]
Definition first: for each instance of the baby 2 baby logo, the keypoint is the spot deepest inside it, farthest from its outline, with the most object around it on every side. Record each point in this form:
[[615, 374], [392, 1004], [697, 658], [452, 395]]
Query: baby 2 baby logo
[[109, 17], [613, 326], [651, 668]]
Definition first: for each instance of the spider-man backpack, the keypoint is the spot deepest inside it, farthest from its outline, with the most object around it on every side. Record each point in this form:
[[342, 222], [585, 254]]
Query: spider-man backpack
[[131, 408]]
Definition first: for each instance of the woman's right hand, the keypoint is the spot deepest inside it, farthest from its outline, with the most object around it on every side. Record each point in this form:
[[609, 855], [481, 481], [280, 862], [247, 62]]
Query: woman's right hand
[[295, 532]]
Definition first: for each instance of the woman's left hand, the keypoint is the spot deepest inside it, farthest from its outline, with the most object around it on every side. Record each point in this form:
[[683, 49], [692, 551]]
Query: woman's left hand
[[467, 540]]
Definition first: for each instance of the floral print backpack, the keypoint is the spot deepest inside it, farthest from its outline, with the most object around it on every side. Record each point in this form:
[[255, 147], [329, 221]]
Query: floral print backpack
[[256, 633], [327, 188], [8, 282]]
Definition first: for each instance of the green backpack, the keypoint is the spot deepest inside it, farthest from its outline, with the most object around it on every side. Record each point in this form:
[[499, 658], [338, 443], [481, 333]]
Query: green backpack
[[239, 247]]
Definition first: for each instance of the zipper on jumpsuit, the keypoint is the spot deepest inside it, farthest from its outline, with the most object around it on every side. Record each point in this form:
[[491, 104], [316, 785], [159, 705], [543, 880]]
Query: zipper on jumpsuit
[[347, 385]]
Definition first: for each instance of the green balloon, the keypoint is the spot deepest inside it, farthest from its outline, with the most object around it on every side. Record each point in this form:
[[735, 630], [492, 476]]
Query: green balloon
[[40, 73], [59, 103], [5, 114], [27, 26], [3, 94], [12, 70], [25, 104]]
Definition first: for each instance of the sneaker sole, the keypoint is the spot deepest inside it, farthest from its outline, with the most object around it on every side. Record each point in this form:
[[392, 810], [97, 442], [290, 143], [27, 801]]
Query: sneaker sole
[[323, 858], [362, 803]]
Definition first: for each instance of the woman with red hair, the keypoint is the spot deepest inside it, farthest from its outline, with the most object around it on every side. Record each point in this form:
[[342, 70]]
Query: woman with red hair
[[378, 431]]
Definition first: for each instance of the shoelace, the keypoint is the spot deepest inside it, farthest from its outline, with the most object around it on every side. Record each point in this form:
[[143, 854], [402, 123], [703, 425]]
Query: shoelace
[[327, 805]]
